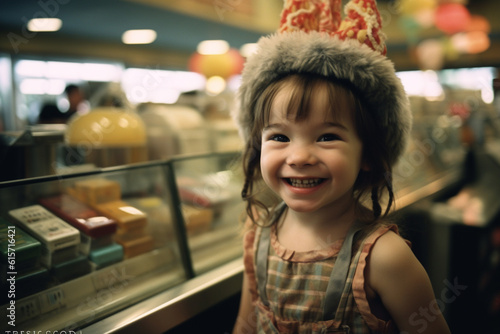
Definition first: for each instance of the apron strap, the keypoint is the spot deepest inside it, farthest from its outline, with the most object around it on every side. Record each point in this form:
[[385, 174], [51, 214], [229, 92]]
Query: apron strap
[[338, 278], [262, 253]]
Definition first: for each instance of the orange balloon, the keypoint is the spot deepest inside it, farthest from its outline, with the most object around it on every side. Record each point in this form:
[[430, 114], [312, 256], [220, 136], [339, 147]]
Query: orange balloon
[[478, 42], [452, 18], [222, 65], [479, 23]]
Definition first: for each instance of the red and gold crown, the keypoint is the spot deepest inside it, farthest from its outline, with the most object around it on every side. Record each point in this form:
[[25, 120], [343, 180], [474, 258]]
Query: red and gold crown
[[362, 21]]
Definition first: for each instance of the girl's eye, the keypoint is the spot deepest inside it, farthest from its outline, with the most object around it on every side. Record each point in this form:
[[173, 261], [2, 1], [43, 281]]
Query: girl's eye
[[279, 138], [329, 137]]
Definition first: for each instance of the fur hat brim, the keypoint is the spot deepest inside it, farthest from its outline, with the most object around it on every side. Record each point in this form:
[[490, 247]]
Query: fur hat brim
[[370, 73]]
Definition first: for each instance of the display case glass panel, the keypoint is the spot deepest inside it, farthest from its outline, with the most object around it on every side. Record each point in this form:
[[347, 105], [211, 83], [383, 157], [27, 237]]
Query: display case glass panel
[[209, 189], [77, 248]]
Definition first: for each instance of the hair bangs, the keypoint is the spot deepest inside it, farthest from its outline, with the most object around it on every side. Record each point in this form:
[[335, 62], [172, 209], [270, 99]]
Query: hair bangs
[[304, 92]]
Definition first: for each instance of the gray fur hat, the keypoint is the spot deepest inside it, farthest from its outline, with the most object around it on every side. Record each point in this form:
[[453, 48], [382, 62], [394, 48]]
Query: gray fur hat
[[370, 73]]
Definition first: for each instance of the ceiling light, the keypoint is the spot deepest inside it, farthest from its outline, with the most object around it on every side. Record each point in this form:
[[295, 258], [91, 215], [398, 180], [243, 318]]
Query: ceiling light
[[160, 86], [100, 72], [139, 36], [215, 85], [44, 24], [33, 86], [42, 86], [31, 68], [248, 49], [69, 71], [213, 47]]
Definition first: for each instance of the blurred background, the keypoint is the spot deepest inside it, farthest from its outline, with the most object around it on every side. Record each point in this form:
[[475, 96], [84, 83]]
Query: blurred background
[[100, 83]]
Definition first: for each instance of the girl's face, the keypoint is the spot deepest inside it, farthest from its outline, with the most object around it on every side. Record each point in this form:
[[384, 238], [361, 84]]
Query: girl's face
[[312, 163]]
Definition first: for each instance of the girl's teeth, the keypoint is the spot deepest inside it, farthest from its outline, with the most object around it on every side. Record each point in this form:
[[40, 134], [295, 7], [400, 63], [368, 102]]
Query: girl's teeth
[[304, 183]]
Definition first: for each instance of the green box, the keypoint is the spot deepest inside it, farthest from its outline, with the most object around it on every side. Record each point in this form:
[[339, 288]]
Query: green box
[[27, 249]]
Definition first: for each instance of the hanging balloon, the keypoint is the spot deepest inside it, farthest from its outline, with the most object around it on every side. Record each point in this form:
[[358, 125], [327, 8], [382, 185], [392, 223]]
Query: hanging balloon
[[430, 54], [452, 18], [222, 65], [479, 23], [425, 17], [478, 42], [471, 42], [410, 7], [450, 50], [411, 28], [460, 42]]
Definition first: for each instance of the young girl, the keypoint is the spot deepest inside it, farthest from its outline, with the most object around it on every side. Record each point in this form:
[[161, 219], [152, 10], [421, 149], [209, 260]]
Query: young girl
[[324, 119]]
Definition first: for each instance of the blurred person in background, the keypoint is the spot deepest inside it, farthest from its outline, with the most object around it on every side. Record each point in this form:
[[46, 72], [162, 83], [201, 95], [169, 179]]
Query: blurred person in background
[[51, 114]]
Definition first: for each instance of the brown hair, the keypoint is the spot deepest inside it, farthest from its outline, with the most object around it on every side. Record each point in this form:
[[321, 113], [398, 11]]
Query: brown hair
[[372, 181]]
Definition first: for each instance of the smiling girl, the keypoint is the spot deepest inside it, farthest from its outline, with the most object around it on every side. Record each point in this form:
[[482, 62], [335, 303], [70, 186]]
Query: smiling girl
[[325, 119]]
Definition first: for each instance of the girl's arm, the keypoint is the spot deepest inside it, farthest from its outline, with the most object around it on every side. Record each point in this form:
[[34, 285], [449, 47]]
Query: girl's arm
[[395, 274], [246, 320]]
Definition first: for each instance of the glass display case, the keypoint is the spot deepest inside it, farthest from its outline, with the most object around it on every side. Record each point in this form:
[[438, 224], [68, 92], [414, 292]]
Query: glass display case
[[211, 208], [78, 248]]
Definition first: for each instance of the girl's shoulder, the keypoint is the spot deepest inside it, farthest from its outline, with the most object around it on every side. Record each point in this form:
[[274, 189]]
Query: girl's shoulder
[[400, 281], [389, 255], [390, 249], [379, 245], [372, 232], [384, 245]]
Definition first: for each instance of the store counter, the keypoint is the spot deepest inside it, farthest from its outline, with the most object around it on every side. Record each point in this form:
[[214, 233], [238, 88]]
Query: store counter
[[172, 307]]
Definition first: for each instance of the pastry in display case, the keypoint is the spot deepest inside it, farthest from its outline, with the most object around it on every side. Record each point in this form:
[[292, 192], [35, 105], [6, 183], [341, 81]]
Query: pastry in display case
[[77, 248], [96, 230]]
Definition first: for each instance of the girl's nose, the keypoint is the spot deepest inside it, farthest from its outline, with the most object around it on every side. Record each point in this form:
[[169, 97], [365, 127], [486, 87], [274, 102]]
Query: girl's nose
[[301, 156]]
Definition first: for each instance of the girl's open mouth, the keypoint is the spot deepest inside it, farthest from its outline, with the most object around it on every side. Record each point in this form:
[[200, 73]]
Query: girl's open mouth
[[304, 183]]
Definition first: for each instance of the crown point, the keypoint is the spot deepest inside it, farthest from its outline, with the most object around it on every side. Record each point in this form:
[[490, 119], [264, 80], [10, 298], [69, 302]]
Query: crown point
[[362, 36]]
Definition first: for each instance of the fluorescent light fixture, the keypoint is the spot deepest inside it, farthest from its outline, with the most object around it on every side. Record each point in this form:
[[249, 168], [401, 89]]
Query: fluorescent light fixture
[[33, 86], [161, 86], [42, 87], [63, 70], [31, 68], [148, 79], [187, 81], [169, 96], [44, 24], [55, 87], [422, 83], [139, 36], [101, 72], [248, 49], [213, 47]]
